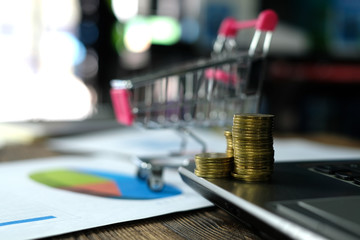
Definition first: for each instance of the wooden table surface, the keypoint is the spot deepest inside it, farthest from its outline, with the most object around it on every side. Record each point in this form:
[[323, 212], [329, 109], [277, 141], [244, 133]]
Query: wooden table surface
[[208, 223]]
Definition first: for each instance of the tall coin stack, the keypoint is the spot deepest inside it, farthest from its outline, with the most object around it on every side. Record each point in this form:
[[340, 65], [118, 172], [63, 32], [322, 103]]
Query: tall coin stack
[[253, 147], [213, 165]]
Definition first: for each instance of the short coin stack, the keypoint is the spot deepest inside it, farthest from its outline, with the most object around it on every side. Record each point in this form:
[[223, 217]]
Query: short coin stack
[[253, 147], [213, 165], [229, 143]]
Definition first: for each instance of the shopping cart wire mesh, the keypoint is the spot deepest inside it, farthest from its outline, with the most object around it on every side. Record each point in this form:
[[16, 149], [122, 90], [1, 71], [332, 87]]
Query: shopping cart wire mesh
[[205, 93]]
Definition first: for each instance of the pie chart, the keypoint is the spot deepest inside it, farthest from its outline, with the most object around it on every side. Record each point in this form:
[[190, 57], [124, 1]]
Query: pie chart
[[101, 184]]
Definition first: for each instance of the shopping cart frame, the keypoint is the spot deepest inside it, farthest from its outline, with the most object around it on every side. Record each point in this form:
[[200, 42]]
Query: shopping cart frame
[[205, 93]]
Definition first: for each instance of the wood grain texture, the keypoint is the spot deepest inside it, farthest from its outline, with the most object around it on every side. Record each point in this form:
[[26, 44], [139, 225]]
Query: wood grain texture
[[209, 223]]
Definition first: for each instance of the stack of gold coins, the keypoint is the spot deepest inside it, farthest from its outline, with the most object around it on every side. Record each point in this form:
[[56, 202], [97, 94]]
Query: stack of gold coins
[[229, 143], [253, 147], [213, 165]]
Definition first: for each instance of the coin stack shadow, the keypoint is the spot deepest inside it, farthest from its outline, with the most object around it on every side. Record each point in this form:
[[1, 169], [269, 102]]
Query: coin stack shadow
[[253, 147]]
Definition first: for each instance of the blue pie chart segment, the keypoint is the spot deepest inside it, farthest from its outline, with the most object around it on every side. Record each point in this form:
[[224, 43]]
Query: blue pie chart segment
[[102, 183]]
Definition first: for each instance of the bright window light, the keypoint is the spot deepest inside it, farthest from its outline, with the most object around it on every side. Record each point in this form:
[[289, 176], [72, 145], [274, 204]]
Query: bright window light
[[61, 48], [38, 55], [60, 14], [125, 9], [137, 36]]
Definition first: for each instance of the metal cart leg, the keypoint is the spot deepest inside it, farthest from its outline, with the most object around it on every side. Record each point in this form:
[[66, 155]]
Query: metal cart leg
[[152, 174], [143, 170], [184, 133], [155, 180]]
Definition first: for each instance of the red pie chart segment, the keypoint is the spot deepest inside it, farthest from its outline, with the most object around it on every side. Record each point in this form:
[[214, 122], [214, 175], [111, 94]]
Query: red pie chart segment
[[106, 189]]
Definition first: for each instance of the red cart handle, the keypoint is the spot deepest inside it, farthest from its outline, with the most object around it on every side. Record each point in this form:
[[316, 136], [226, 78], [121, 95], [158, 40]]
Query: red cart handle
[[266, 21], [120, 98]]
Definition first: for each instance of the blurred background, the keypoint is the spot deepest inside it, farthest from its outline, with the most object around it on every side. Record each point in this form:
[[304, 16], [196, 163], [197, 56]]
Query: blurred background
[[58, 56]]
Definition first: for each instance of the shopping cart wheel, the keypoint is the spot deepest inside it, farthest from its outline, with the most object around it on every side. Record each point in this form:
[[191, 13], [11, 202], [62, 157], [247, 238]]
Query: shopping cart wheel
[[154, 180], [143, 170]]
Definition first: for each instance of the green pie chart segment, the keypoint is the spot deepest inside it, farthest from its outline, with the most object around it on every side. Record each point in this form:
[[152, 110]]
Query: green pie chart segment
[[101, 183]]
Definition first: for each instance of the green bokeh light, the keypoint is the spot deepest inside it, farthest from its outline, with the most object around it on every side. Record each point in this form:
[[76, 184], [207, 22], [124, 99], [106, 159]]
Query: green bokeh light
[[165, 30]]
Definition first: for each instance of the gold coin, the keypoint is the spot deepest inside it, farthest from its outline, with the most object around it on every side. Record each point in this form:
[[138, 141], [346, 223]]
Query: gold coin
[[252, 144], [239, 123], [252, 140], [212, 156], [252, 121], [254, 149], [255, 131], [211, 175], [254, 164], [227, 133], [212, 171], [253, 152], [253, 116], [237, 127], [252, 129], [215, 169], [243, 126], [254, 160], [252, 155], [214, 165], [251, 134], [213, 161]]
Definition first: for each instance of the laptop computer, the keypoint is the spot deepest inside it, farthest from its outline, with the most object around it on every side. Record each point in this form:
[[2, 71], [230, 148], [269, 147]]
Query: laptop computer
[[303, 200]]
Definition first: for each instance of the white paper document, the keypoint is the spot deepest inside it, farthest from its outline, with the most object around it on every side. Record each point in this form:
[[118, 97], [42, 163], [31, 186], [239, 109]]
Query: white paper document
[[52, 196], [141, 142]]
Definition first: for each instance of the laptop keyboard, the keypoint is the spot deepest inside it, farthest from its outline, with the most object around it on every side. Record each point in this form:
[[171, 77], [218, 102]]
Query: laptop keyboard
[[349, 172]]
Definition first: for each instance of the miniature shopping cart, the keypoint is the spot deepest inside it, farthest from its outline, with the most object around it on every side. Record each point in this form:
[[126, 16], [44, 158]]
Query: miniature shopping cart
[[206, 93]]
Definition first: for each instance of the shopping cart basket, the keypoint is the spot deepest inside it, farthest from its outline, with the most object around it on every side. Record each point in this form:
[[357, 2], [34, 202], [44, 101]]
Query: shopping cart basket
[[205, 93]]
